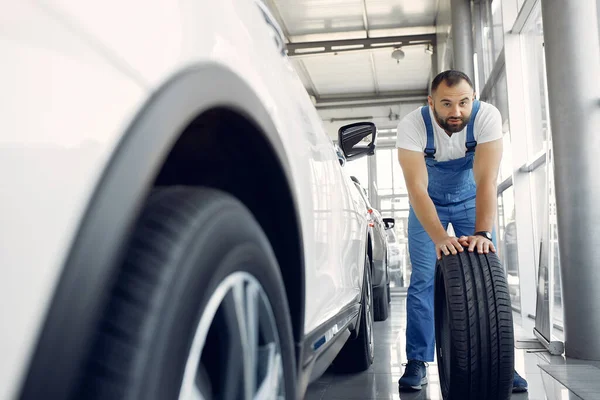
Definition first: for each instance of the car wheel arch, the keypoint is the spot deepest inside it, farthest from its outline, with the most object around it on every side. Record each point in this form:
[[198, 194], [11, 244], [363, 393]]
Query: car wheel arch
[[94, 256]]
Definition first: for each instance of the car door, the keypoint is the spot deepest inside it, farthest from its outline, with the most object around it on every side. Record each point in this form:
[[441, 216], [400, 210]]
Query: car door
[[332, 246]]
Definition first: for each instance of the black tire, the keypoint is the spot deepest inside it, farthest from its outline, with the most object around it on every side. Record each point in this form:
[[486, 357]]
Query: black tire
[[357, 353], [473, 328], [188, 244], [381, 303]]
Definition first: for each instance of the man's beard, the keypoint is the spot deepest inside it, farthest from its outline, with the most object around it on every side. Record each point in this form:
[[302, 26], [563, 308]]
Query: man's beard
[[450, 128]]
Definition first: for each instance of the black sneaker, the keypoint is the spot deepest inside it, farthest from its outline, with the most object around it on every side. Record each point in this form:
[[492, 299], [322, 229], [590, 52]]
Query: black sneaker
[[519, 384], [415, 375]]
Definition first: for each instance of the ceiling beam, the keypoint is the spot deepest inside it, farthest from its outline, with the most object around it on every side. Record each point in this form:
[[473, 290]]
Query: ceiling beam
[[359, 33], [371, 100], [338, 46]]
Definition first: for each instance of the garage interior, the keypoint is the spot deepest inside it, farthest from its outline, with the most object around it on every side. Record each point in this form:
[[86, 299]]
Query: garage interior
[[372, 60]]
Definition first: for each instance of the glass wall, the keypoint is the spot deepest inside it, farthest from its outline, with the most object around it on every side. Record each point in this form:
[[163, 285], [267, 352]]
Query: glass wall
[[393, 202], [390, 180], [527, 153], [487, 40], [498, 30], [554, 257], [507, 243], [539, 153], [506, 225], [534, 69]]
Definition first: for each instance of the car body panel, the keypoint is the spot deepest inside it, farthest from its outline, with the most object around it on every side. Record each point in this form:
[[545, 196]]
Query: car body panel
[[52, 155], [380, 275], [80, 78]]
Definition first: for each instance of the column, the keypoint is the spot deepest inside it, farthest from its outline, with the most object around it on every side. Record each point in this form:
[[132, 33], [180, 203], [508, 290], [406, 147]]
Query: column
[[478, 80], [462, 38], [573, 71]]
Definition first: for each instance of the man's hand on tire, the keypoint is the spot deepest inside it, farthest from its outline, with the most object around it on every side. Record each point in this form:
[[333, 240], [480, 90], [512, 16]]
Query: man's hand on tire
[[482, 244], [447, 245]]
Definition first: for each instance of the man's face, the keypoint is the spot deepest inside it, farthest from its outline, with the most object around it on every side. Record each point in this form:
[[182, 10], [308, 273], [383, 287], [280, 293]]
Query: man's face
[[452, 106]]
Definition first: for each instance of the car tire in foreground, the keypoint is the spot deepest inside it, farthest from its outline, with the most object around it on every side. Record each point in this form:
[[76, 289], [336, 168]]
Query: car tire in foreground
[[199, 309], [473, 328]]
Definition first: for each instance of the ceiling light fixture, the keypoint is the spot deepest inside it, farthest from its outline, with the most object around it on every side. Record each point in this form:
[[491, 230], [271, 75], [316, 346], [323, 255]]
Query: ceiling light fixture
[[397, 54]]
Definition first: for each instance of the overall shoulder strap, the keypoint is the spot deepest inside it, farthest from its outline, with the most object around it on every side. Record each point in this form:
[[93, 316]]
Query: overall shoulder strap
[[430, 147], [471, 143]]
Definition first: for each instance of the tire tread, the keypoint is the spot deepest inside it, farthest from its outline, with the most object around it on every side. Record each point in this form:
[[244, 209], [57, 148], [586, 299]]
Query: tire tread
[[482, 354]]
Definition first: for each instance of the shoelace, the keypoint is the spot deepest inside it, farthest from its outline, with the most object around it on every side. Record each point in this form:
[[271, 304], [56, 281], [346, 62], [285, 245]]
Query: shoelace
[[412, 367]]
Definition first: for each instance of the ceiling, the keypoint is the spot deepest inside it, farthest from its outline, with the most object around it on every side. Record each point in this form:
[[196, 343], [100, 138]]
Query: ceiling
[[363, 26], [342, 51]]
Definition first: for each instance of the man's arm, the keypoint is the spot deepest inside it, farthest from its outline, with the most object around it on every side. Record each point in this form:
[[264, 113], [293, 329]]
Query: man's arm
[[485, 171], [415, 176]]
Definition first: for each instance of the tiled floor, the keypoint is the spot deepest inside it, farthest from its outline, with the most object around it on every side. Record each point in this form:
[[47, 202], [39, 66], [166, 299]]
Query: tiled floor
[[380, 381]]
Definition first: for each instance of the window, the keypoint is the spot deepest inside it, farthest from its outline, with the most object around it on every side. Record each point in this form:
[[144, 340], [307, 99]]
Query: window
[[390, 180], [507, 243], [487, 40], [539, 142], [554, 256], [499, 98], [538, 186], [393, 202], [497, 28], [535, 75], [492, 34]]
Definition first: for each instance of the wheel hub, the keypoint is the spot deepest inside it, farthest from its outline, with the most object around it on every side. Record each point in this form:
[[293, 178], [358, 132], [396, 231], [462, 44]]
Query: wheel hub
[[236, 351]]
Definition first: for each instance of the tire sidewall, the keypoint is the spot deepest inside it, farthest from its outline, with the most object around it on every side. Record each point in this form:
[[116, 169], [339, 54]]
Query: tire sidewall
[[232, 242], [440, 302]]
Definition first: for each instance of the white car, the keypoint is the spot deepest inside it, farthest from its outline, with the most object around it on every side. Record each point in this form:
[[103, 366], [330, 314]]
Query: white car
[[175, 223], [380, 256], [394, 253]]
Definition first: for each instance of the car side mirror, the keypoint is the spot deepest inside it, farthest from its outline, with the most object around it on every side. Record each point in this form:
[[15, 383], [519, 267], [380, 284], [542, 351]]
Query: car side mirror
[[389, 223], [357, 140]]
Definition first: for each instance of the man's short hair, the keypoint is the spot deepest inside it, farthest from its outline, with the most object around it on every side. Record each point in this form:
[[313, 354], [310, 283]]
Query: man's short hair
[[451, 78]]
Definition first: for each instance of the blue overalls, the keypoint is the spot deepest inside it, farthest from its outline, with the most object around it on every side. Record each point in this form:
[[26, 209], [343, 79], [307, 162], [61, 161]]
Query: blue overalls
[[452, 190]]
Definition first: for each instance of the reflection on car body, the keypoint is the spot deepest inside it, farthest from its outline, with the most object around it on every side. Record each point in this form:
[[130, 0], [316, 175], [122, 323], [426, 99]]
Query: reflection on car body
[[155, 155]]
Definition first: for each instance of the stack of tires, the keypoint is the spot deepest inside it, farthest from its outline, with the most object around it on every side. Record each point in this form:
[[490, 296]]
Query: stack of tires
[[473, 328]]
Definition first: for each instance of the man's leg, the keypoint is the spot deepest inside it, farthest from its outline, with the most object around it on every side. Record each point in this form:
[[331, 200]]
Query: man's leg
[[420, 330], [463, 222], [420, 334]]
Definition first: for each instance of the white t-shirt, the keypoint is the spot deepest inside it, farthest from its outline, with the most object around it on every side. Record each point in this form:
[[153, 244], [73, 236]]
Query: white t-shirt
[[412, 134]]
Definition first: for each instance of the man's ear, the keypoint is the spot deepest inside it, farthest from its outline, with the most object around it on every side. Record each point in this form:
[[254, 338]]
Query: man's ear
[[430, 101]]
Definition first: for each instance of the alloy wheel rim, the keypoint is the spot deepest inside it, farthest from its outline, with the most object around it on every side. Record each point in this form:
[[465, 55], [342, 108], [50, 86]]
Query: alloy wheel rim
[[236, 351]]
